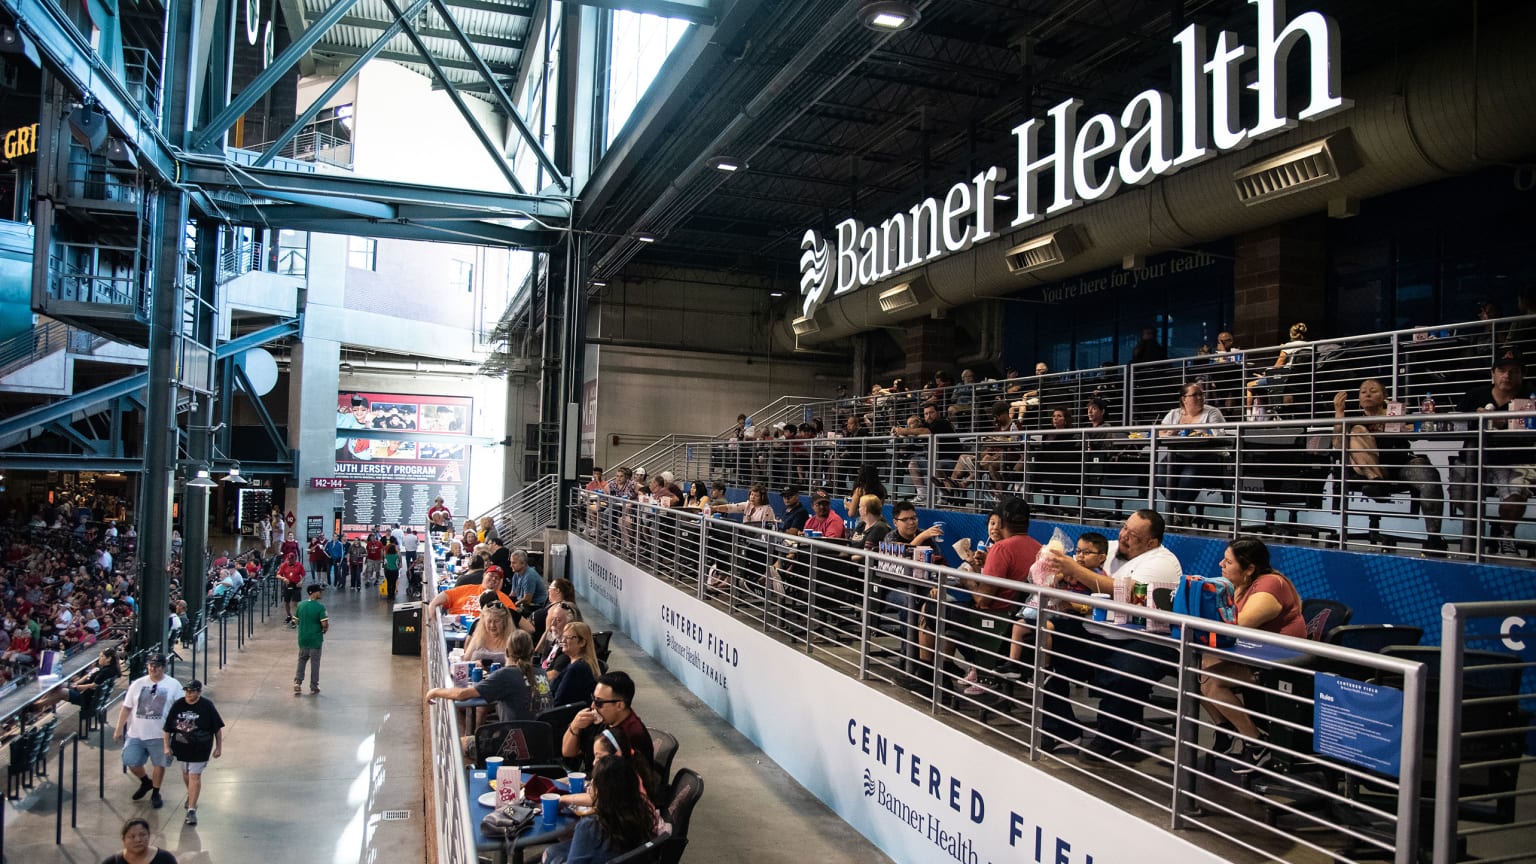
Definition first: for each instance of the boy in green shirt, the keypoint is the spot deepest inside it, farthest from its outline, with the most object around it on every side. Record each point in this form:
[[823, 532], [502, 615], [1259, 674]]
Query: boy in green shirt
[[312, 627]]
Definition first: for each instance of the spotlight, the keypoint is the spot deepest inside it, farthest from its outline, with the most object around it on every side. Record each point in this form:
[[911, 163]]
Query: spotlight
[[89, 127], [775, 294], [887, 16], [119, 152], [727, 164], [598, 283], [13, 41], [643, 237]]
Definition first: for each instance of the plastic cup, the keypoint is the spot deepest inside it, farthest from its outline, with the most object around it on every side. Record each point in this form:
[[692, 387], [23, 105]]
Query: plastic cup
[[939, 526], [1099, 612], [476, 674], [549, 802], [578, 782], [492, 765]]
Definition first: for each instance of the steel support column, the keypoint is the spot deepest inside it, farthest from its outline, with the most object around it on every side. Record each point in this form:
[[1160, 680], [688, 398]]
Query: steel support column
[[194, 549]]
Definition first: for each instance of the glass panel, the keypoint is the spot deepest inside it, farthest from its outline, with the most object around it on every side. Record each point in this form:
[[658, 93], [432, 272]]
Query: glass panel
[[640, 46]]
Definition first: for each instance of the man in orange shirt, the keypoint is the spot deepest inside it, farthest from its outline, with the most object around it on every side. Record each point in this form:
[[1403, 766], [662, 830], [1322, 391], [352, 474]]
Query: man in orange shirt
[[465, 599]]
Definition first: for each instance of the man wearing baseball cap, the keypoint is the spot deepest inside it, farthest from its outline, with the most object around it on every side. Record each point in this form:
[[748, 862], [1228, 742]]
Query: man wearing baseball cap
[[141, 724], [312, 625], [194, 731], [1507, 464]]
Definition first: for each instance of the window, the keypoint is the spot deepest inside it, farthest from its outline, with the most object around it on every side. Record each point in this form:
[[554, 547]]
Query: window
[[292, 252], [639, 47], [461, 275], [362, 253]]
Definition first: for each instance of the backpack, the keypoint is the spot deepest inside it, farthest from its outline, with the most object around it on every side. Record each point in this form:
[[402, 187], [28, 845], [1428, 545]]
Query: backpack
[[1209, 597], [539, 694]]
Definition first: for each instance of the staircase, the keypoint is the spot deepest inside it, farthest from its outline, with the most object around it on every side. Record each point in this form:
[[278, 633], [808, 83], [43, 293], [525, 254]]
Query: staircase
[[523, 515]]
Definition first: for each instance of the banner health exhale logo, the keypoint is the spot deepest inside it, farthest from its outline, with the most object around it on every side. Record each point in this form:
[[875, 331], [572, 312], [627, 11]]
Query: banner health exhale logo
[[699, 647], [604, 582], [916, 774], [815, 270]]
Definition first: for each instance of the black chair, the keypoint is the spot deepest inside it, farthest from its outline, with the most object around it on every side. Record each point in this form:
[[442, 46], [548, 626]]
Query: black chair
[[559, 717], [687, 788], [525, 743], [600, 645], [1324, 616], [649, 852], [665, 750]]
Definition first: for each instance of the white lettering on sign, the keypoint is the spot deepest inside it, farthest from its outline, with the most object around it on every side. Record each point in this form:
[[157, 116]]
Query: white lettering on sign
[[1092, 159], [258, 32]]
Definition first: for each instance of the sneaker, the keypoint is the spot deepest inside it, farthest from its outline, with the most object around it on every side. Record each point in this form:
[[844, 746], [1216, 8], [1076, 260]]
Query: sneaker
[[145, 784], [298, 689], [1102, 749], [155, 800], [1252, 757], [314, 691], [1506, 546], [191, 816]]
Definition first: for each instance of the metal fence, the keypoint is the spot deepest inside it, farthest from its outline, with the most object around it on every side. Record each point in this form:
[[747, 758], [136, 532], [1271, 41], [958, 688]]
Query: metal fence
[[454, 832], [525, 513], [1451, 485], [1123, 702]]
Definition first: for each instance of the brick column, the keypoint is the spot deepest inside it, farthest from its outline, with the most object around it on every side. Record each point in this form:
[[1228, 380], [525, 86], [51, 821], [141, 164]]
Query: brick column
[[1279, 279]]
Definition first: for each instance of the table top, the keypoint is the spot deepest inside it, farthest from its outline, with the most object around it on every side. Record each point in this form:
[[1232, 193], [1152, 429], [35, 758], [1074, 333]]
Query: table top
[[1244, 647], [538, 833], [25, 694]]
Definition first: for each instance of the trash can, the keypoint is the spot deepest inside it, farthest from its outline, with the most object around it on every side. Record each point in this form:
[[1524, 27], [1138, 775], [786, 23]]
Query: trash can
[[407, 629], [559, 555]]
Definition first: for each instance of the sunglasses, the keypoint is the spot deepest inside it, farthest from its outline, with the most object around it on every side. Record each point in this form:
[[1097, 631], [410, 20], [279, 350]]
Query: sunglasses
[[598, 703]]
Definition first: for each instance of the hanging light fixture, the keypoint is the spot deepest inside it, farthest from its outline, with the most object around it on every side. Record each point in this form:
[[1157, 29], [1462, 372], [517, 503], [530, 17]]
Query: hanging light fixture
[[887, 16], [203, 480], [233, 477]]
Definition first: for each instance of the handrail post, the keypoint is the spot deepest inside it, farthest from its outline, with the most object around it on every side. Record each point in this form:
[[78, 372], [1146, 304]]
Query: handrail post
[[1408, 780], [1185, 730], [703, 570], [864, 621], [1448, 744], [1037, 683]]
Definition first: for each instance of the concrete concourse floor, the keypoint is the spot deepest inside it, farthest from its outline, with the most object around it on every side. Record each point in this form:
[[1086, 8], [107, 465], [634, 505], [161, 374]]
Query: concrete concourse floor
[[303, 778], [307, 778]]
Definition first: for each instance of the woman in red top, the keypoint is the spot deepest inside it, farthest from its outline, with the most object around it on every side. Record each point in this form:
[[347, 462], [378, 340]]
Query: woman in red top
[[1266, 600]]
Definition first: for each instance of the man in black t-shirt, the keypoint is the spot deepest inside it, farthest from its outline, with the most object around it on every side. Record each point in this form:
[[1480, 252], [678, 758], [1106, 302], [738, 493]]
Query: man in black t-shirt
[[194, 731], [1507, 469], [934, 423]]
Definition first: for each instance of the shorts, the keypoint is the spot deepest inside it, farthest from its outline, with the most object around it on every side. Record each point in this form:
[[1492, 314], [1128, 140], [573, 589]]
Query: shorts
[[193, 767], [1510, 481], [137, 751], [290, 592]]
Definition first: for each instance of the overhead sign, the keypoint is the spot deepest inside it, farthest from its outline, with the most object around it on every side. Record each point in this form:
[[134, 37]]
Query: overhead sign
[[1090, 160]]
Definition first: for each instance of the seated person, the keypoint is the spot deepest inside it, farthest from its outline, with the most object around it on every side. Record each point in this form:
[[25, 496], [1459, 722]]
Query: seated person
[[527, 586], [488, 641], [1508, 471], [900, 592], [1380, 459], [823, 519], [517, 690], [794, 518], [475, 571], [550, 652], [933, 423], [1054, 469], [465, 599], [1188, 472], [559, 591], [623, 819], [575, 684], [613, 699], [1267, 601]]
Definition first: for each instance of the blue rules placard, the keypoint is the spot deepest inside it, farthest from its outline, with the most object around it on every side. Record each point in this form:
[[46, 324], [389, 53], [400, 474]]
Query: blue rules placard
[[1358, 723]]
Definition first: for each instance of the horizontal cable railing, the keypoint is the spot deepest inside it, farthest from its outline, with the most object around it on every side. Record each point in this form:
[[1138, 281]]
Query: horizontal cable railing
[[676, 453], [1444, 483], [1165, 710], [1442, 363], [523, 514]]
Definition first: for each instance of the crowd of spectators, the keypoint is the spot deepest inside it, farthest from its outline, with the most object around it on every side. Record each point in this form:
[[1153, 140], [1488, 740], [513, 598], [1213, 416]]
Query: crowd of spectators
[[65, 581]]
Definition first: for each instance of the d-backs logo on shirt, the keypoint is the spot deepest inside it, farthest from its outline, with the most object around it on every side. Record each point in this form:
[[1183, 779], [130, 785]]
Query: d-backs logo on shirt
[[186, 728]]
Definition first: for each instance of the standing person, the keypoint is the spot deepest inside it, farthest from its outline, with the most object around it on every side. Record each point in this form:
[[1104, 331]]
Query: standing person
[[291, 574], [194, 731], [136, 848], [391, 570], [336, 550], [409, 545], [140, 726], [355, 552], [439, 516], [373, 562], [312, 625], [319, 560]]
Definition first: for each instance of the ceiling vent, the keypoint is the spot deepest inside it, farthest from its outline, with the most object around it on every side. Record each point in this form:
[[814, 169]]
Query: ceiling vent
[[907, 295], [1297, 170], [805, 325], [1047, 250]]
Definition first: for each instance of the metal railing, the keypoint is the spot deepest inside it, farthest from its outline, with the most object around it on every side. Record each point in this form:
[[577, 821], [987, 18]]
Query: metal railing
[[23, 348], [1443, 361], [1444, 483], [1486, 699], [677, 453], [968, 646], [455, 830], [523, 514]]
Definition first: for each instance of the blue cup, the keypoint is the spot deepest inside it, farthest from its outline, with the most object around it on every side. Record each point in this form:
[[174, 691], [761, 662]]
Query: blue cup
[[476, 674], [1099, 612], [939, 526], [578, 782], [549, 803]]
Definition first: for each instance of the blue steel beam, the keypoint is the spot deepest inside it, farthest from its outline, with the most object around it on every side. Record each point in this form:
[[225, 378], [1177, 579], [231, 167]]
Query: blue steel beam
[[290, 327], [441, 231], [349, 206], [341, 81], [71, 57], [62, 429], [697, 11], [244, 385], [205, 137], [45, 414], [62, 462]]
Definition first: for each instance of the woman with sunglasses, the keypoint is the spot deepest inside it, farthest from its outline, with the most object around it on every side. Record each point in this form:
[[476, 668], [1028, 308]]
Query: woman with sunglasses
[[561, 591], [622, 819], [575, 684]]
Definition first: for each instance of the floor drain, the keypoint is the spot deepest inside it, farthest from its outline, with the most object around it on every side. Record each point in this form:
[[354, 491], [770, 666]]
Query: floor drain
[[395, 815]]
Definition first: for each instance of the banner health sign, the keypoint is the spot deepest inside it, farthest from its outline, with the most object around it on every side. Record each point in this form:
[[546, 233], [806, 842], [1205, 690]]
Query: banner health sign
[[1089, 160], [919, 790]]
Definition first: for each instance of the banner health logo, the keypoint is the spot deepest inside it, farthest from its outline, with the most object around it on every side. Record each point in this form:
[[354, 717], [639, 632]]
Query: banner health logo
[[815, 270], [916, 774], [605, 582], [699, 648]]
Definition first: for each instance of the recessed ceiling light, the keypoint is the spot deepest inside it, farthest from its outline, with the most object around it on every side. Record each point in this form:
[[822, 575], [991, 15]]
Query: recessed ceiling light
[[644, 237], [775, 294], [598, 283], [727, 164], [887, 15]]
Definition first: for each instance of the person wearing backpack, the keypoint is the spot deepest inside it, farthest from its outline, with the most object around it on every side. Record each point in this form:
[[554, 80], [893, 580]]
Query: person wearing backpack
[[1267, 601], [1125, 673]]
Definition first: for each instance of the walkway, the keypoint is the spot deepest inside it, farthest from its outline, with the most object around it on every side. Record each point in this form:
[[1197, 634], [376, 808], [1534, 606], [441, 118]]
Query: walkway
[[309, 778]]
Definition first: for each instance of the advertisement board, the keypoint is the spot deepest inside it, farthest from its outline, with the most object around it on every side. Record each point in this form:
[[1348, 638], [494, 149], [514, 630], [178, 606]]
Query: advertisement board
[[919, 790], [396, 453]]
